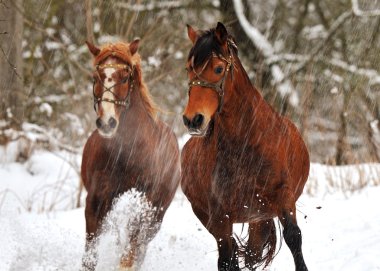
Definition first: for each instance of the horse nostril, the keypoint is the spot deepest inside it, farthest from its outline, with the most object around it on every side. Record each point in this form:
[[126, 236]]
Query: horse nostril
[[197, 120], [98, 123], [112, 122], [186, 121]]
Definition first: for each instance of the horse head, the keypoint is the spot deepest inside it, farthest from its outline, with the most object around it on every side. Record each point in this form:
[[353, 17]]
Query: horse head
[[209, 64], [114, 78]]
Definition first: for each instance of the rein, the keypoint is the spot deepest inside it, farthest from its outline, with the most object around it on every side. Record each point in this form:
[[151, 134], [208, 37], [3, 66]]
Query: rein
[[218, 86], [126, 102]]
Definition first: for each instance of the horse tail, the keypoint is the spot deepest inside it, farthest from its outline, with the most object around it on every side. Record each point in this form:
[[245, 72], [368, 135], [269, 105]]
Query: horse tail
[[270, 245], [268, 252]]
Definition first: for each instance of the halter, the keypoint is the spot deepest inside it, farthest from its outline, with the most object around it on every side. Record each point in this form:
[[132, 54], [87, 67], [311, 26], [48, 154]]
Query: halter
[[119, 101], [218, 86]]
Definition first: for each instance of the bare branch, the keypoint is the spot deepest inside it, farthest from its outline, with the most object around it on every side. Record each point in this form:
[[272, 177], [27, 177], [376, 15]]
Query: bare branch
[[132, 20], [14, 68], [300, 24], [3, 4]]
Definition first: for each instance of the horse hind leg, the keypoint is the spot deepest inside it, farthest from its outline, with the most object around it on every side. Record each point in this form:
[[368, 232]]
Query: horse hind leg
[[262, 236], [293, 238]]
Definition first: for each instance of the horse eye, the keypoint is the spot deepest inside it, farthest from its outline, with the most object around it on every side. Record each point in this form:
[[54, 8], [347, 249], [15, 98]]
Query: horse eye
[[125, 80], [218, 70]]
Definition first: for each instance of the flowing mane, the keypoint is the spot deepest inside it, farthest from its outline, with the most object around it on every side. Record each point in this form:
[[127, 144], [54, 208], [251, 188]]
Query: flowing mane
[[121, 50], [206, 44]]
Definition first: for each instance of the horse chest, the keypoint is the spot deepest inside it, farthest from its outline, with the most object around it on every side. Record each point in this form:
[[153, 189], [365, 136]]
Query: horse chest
[[112, 175], [230, 180], [241, 181]]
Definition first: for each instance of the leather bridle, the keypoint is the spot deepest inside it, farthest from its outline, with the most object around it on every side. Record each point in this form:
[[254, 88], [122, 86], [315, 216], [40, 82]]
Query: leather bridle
[[118, 101], [218, 86]]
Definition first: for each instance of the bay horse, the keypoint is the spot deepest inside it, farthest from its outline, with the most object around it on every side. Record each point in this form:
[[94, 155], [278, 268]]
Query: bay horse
[[130, 149], [244, 162]]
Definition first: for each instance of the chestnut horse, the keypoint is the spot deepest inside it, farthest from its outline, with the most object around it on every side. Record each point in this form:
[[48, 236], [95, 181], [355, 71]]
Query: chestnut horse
[[130, 148], [245, 162]]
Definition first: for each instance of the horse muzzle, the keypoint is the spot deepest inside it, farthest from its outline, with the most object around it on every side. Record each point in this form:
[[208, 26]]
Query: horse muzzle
[[107, 128], [197, 126]]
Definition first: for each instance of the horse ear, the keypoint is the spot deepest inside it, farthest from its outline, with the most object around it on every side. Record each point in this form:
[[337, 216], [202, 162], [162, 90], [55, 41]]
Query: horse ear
[[193, 36], [93, 49], [134, 46], [221, 33]]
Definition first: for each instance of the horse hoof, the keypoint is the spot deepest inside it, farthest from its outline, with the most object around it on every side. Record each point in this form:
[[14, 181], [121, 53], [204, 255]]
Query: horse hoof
[[132, 268]]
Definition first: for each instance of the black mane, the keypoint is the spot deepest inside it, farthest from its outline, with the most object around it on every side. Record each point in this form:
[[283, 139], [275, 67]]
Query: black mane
[[206, 44]]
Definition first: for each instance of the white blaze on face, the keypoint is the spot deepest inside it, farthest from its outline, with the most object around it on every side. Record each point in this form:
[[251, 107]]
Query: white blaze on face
[[109, 82]]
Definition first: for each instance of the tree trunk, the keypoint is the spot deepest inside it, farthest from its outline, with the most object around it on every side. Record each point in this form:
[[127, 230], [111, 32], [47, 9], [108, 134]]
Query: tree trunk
[[12, 99], [89, 24], [341, 144]]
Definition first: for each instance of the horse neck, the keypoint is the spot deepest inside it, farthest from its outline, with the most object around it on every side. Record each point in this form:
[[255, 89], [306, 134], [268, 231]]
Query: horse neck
[[136, 121], [239, 113]]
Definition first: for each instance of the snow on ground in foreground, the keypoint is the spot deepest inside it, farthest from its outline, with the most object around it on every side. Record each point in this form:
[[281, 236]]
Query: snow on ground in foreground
[[341, 235]]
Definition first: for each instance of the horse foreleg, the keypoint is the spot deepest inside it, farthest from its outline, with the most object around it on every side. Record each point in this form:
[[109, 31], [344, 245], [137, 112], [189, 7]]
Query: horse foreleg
[[221, 228], [93, 219], [293, 237], [128, 258]]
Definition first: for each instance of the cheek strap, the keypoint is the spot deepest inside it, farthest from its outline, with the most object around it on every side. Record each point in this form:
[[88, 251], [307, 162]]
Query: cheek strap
[[218, 86]]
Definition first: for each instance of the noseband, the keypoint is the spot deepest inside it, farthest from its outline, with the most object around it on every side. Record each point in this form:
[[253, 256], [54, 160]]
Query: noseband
[[119, 101], [218, 86]]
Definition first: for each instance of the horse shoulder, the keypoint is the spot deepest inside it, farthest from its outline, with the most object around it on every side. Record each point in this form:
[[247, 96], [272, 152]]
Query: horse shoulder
[[187, 163], [168, 135], [87, 157], [189, 153]]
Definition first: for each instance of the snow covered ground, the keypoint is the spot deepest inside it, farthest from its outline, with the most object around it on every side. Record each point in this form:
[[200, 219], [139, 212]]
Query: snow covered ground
[[41, 230]]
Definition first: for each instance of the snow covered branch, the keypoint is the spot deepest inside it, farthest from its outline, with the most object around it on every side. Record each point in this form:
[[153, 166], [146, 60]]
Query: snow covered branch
[[38, 133], [363, 13], [151, 6], [283, 84], [33, 133], [372, 75]]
